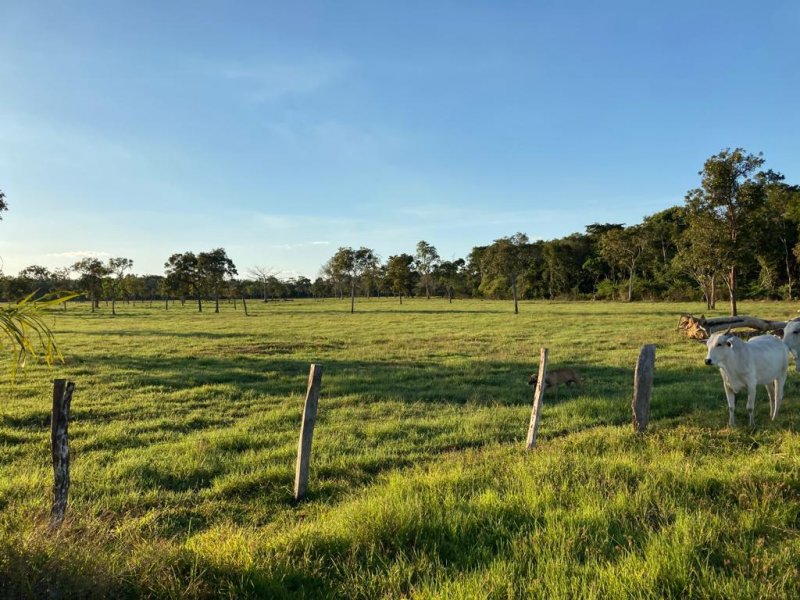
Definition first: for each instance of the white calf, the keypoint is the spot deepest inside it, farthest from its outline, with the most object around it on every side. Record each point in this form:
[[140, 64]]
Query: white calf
[[761, 361]]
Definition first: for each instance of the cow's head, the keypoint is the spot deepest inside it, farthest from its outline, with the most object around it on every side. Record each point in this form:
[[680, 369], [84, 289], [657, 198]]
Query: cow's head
[[791, 334], [720, 346]]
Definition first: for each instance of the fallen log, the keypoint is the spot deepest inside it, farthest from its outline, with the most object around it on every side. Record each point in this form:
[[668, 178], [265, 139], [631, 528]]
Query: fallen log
[[700, 328]]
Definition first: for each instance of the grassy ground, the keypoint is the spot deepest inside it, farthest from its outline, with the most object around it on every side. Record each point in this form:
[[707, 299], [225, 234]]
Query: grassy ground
[[185, 428]]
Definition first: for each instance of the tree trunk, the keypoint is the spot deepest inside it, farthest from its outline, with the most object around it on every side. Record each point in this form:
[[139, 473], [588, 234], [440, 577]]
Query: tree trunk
[[199, 304], [244, 305], [216, 302], [401, 298], [352, 298], [91, 299], [706, 288], [789, 280], [630, 286], [713, 292], [114, 306], [701, 328], [516, 305], [732, 290]]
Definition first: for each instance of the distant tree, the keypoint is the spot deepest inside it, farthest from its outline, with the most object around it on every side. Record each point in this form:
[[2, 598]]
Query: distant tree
[[117, 267], [262, 274], [92, 271], [183, 277], [506, 257], [334, 271], [301, 287], [321, 288], [350, 265], [426, 260], [782, 212], [623, 248], [731, 197], [62, 282], [700, 257], [3, 204], [36, 279], [398, 274], [449, 274], [473, 271], [215, 268]]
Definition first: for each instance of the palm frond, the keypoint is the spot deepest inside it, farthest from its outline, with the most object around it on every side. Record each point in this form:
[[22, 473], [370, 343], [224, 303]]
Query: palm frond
[[26, 332]]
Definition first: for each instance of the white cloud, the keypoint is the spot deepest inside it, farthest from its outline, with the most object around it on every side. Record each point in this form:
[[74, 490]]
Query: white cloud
[[79, 254]]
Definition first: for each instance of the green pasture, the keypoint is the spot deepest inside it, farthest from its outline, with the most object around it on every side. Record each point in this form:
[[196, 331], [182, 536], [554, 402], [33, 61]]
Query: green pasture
[[184, 433]]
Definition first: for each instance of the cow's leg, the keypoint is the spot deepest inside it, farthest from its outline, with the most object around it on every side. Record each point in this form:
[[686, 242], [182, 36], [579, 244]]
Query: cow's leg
[[771, 393], [751, 402], [779, 384], [731, 396]]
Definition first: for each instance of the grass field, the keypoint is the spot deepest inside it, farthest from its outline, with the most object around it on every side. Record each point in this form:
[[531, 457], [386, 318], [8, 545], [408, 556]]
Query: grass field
[[184, 435]]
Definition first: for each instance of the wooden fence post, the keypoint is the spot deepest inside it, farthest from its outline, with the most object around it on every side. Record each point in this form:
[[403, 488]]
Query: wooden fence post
[[538, 395], [643, 387], [59, 441], [307, 431]]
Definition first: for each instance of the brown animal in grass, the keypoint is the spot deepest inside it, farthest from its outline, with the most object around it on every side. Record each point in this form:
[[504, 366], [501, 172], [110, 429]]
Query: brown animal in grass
[[556, 377]]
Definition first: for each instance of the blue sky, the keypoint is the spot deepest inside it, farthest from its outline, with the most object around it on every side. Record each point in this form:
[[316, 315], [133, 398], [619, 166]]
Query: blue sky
[[284, 130]]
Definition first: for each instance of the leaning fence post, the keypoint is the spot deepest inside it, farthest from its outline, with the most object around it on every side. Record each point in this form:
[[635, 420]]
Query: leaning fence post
[[307, 431], [643, 387], [59, 442], [538, 395]]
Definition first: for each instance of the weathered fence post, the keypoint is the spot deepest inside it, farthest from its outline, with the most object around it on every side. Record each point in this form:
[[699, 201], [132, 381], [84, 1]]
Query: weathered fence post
[[538, 395], [59, 441], [307, 431], [643, 387]]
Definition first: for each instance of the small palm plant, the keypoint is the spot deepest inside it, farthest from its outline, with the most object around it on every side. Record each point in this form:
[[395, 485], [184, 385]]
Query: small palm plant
[[26, 333]]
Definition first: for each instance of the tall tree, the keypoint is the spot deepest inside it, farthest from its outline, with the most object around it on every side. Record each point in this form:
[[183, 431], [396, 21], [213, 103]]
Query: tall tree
[[117, 267], [624, 248], [700, 256], [731, 195], [92, 271], [215, 268], [449, 273], [350, 265], [783, 217], [3, 204], [426, 260], [398, 273], [183, 277], [506, 257]]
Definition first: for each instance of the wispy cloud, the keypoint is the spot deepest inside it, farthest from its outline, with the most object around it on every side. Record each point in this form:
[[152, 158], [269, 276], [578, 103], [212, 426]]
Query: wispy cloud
[[79, 254], [266, 81], [299, 245], [296, 221]]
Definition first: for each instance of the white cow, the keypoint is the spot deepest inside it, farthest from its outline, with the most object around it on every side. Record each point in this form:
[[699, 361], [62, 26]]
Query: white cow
[[763, 360], [791, 337]]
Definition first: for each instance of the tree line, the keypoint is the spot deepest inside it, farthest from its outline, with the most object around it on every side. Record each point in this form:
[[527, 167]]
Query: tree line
[[737, 234]]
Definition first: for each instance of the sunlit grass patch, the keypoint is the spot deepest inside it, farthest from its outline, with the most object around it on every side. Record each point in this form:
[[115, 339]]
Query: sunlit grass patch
[[184, 435]]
